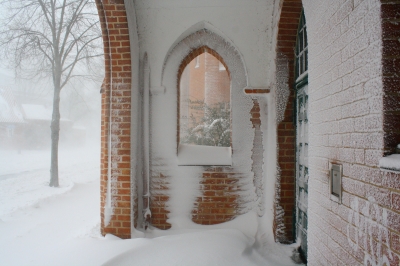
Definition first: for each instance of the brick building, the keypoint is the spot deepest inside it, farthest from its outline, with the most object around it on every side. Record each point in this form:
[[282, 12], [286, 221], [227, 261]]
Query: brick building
[[315, 114]]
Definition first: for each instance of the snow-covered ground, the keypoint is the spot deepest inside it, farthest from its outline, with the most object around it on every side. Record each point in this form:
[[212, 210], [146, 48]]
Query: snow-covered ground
[[40, 225]]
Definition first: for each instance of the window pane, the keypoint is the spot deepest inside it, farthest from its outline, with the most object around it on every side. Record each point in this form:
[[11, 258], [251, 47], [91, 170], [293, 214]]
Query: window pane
[[300, 38], [205, 103], [301, 48]]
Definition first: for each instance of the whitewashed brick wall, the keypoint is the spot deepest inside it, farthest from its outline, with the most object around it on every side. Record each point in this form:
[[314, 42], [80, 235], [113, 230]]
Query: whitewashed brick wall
[[346, 127]]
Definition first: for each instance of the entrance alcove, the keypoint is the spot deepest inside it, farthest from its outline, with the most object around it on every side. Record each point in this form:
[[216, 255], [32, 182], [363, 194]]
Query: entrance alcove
[[210, 192]]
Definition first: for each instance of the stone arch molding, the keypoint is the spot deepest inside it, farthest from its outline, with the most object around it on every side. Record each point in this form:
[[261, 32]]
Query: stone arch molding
[[200, 35], [241, 103]]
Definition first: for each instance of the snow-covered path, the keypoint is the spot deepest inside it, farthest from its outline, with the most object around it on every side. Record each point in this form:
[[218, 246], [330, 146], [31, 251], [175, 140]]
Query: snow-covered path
[[42, 226], [24, 177], [35, 220]]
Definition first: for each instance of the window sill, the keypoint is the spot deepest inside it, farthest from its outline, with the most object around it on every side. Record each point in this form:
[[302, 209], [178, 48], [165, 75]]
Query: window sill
[[204, 155], [390, 163]]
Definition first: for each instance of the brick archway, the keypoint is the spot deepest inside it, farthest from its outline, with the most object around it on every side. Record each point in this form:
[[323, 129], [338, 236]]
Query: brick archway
[[115, 126], [116, 88]]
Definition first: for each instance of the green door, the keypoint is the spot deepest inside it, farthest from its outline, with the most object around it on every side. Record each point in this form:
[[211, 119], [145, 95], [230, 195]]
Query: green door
[[302, 167], [301, 88]]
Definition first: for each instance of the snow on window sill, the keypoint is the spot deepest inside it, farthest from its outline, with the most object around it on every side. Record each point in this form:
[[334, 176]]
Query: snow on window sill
[[390, 163], [204, 155]]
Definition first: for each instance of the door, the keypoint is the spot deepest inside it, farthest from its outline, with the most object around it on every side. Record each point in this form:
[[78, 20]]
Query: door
[[301, 90], [302, 167]]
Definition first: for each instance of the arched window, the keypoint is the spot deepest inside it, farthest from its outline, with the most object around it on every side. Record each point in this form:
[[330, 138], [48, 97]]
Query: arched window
[[204, 102]]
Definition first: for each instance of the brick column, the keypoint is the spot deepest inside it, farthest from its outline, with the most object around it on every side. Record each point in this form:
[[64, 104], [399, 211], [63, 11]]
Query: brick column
[[287, 33], [116, 94]]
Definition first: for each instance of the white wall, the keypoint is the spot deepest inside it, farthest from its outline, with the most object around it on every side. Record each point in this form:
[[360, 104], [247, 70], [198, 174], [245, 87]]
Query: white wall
[[247, 23], [345, 116]]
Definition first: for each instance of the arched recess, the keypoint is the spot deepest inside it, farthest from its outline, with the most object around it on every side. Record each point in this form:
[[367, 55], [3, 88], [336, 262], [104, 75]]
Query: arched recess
[[167, 172], [285, 64], [181, 54], [185, 50]]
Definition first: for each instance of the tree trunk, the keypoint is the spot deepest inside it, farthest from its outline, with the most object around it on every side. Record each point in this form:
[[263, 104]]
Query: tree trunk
[[55, 136]]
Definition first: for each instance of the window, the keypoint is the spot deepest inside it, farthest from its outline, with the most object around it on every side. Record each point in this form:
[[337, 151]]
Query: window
[[302, 49], [204, 108], [302, 167]]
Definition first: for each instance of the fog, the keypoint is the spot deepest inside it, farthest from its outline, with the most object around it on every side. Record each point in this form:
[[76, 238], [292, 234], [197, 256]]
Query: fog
[[26, 111]]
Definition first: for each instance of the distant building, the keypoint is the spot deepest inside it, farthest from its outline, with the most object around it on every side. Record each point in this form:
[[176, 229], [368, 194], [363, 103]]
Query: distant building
[[37, 132], [12, 121]]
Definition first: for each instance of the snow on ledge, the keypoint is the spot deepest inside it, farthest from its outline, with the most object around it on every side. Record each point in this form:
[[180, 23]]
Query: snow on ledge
[[391, 162], [204, 155]]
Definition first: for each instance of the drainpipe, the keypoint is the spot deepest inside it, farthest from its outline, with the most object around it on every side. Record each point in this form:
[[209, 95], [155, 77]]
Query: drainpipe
[[146, 144]]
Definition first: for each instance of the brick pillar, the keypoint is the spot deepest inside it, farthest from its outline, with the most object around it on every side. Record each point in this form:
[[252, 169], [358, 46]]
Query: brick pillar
[[257, 155], [116, 94], [288, 24]]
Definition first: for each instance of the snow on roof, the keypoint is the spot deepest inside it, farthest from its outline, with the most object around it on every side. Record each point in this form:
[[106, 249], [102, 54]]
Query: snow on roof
[[36, 112], [391, 162], [10, 112]]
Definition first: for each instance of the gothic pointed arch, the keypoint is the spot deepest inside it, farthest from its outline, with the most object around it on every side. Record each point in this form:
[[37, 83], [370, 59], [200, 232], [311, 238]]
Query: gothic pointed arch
[[205, 37]]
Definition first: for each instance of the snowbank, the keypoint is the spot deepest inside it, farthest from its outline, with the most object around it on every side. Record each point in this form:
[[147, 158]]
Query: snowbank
[[40, 225], [207, 247]]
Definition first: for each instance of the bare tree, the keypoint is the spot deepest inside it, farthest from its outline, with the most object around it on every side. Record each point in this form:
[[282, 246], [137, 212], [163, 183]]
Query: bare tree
[[51, 38]]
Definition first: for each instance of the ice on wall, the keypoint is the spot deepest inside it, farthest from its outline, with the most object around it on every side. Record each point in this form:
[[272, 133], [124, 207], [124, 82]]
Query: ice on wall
[[257, 189], [164, 133], [113, 159], [112, 176], [281, 99], [279, 223], [282, 87], [257, 169], [369, 222], [345, 96]]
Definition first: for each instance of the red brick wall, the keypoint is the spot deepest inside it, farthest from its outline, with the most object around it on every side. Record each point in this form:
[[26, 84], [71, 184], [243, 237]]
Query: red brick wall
[[220, 186], [159, 197], [218, 203], [287, 32], [116, 86], [217, 83]]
